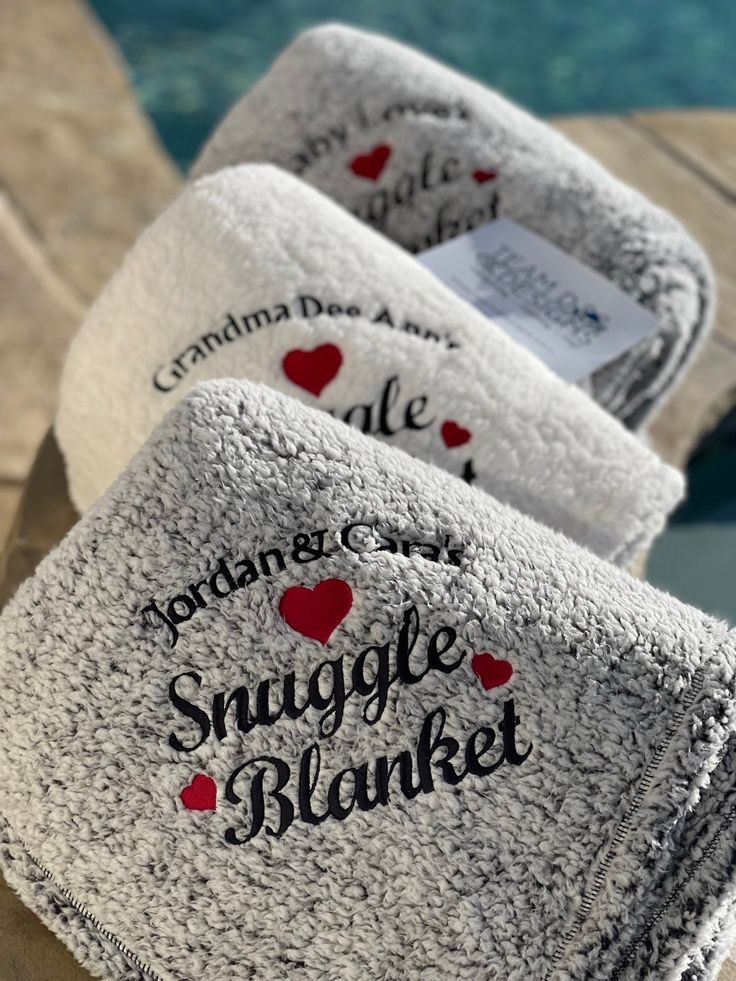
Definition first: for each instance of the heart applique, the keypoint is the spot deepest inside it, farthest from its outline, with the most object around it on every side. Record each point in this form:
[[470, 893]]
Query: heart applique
[[454, 435], [313, 370], [481, 176], [491, 672], [370, 165], [201, 794], [317, 612]]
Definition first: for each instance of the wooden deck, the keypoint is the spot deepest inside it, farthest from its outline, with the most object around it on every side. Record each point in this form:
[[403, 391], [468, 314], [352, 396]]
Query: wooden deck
[[686, 162], [81, 173]]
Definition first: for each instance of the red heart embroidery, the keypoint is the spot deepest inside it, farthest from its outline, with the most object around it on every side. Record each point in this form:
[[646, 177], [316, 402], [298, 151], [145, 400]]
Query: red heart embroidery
[[454, 435], [201, 794], [317, 612], [370, 165], [491, 672], [481, 176], [313, 370]]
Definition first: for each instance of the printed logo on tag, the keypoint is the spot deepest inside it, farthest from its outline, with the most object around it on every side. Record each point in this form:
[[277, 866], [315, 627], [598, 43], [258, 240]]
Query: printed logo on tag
[[569, 316]]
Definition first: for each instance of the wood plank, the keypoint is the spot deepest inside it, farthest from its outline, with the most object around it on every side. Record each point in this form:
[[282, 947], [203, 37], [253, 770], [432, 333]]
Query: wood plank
[[29, 951], [81, 161], [38, 316], [81, 173], [44, 515], [10, 494], [728, 971], [705, 140]]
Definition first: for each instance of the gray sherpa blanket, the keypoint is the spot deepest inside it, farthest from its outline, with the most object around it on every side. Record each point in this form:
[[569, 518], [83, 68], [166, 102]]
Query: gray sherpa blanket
[[251, 273], [425, 154], [288, 703]]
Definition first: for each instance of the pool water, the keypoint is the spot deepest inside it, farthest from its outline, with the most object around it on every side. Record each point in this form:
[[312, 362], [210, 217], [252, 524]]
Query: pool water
[[190, 60], [695, 559]]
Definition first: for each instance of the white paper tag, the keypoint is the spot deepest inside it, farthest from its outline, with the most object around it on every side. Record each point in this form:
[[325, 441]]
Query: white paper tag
[[571, 317]]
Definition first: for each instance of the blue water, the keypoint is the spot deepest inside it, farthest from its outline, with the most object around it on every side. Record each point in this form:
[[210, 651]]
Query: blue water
[[190, 59]]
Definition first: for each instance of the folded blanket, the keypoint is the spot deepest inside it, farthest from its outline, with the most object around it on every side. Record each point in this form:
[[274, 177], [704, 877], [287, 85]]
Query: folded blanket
[[251, 273], [287, 703], [425, 154]]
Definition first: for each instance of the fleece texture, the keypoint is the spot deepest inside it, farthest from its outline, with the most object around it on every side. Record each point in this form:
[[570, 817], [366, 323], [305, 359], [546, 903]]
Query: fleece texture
[[425, 154], [289, 703], [251, 273]]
